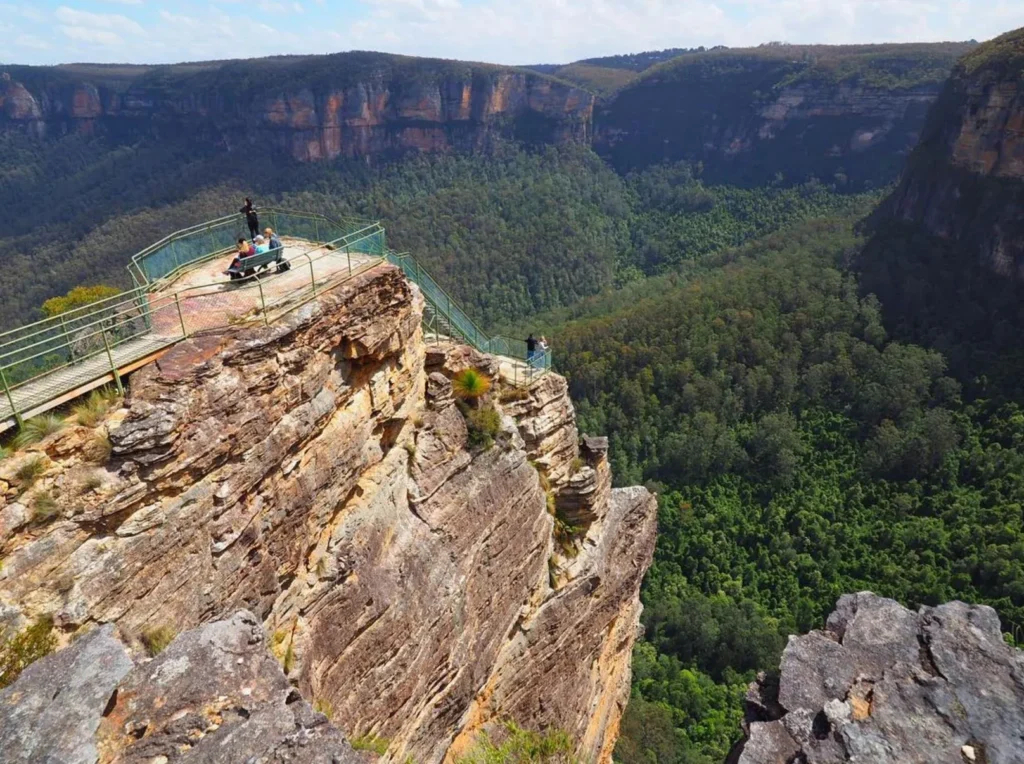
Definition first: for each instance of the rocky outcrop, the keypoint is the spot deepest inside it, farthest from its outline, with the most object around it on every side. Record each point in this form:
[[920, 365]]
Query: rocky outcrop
[[965, 182], [883, 684], [214, 694], [320, 474], [352, 105]]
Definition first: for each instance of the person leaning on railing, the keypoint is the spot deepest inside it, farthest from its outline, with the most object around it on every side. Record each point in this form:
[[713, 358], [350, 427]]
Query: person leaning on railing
[[251, 218]]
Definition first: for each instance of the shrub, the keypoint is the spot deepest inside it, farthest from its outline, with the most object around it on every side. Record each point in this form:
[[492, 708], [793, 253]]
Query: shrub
[[4, 452], [89, 412], [30, 471], [324, 707], [484, 425], [44, 508], [157, 638], [470, 385], [377, 745], [19, 650], [521, 746], [37, 428], [77, 298], [577, 465]]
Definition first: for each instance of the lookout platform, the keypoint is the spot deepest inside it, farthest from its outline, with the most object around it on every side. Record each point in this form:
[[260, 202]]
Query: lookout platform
[[182, 290]]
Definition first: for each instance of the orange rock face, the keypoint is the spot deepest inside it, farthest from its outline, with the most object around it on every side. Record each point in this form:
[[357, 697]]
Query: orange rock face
[[313, 123]]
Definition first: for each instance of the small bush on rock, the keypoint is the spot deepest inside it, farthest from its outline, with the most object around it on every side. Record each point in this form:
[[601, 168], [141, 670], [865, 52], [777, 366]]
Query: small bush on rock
[[44, 508], [95, 407], [30, 471], [484, 425], [519, 746], [157, 638], [470, 385]]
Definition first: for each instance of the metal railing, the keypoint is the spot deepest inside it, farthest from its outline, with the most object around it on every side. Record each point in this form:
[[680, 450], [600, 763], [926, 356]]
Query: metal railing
[[44, 361], [443, 317]]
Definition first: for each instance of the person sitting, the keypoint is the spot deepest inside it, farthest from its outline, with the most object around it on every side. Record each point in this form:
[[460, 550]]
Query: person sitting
[[261, 244], [273, 239], [245, 249]]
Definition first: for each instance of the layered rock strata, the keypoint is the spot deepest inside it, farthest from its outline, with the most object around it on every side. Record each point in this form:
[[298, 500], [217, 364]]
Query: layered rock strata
[[319, 474], [884, 684], [351, 105]]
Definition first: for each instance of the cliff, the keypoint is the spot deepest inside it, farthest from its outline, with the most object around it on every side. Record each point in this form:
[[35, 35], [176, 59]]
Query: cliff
[[319, 474], [965, 182], [883, 684], [315, 107], [848, 114]]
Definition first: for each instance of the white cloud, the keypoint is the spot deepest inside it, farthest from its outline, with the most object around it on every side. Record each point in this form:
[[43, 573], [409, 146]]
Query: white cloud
[[92, 36], [501, 31]]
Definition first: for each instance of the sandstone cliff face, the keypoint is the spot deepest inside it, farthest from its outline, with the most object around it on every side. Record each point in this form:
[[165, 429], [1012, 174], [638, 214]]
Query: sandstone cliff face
[[313, 116], [965, 182], [318, 474], [882, 684]]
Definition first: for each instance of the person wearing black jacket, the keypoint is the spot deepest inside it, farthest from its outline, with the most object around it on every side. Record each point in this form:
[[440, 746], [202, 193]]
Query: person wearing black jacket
[[251, 219]]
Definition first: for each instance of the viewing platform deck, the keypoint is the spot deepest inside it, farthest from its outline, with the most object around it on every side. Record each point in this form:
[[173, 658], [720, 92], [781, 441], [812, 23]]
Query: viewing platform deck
[[183, 291]]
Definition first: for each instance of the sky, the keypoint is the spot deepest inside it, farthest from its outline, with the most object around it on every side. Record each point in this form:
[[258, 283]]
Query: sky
[[498, 31]]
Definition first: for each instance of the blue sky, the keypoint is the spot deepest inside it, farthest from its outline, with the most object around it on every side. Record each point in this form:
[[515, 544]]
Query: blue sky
[[502, 31]]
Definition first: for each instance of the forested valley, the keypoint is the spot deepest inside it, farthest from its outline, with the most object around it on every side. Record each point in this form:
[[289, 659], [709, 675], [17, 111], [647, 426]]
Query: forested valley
[[824, 401]]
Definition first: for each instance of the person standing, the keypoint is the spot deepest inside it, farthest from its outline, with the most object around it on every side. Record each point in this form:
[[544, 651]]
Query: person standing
[[531, 350], [251, 218]]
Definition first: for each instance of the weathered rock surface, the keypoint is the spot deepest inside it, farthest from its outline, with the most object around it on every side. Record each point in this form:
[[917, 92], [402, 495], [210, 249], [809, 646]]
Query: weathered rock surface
[[882, 684], [317, 473], [215, 694], [349, 104], [965, 181]]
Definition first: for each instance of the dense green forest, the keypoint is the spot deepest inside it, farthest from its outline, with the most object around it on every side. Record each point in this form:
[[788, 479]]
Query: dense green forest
[[510, 232], [800, 452]]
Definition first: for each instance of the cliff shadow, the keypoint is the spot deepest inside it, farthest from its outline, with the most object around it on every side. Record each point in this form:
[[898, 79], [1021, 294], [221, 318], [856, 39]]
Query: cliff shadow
[[936, 292]]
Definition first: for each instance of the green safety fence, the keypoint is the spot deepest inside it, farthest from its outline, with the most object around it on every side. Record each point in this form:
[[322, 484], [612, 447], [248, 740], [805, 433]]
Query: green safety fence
[[444, 317], [185, 248], [43, 361]]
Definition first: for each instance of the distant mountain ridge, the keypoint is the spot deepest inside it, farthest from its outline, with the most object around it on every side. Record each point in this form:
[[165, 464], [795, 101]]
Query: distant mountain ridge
[[849, 113], [312, 107]]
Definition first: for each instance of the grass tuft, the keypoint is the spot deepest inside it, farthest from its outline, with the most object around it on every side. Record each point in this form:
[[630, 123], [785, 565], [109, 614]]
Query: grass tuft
[[38, 428], [470, 385], [5, 453], [513, 394], [91, 411], [157, 638], [30, 471], [44, 508], [372, 743], [323, 706]]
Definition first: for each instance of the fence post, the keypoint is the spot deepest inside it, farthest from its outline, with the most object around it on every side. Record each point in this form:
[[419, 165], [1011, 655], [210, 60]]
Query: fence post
[[181, 318], [113, 367], [67, 338], [10, 399], [316, 228], [348, 253], [312, 274], [266, 319]]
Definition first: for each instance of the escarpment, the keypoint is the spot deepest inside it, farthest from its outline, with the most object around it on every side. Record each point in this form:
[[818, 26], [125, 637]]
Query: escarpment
[[315, 108], [965, 181], [321, 474]]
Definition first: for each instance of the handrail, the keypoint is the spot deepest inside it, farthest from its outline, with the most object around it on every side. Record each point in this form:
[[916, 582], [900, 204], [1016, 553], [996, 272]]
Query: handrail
[[152, 314]]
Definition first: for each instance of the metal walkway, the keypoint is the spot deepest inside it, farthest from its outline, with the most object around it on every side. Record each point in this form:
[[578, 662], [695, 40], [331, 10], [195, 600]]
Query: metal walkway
[[180, 291]]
